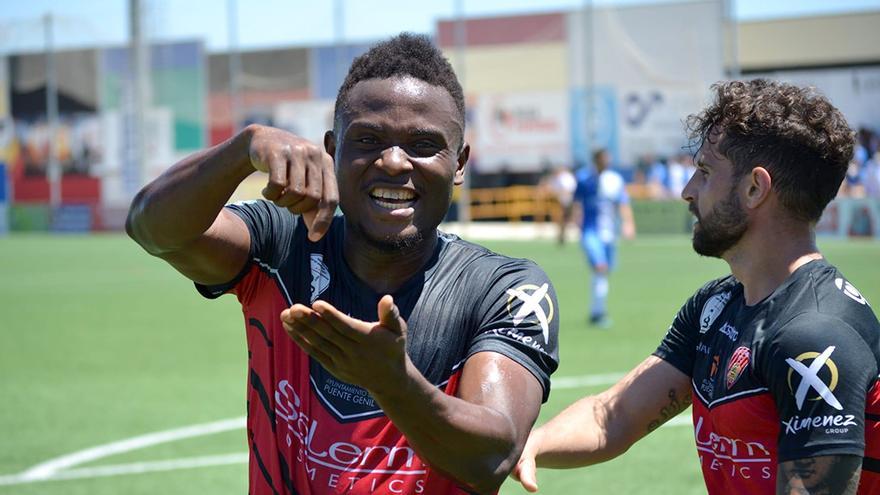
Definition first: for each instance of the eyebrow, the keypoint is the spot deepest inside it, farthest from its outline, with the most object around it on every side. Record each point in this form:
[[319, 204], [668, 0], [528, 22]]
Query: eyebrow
[[418, 131], [700, 161]]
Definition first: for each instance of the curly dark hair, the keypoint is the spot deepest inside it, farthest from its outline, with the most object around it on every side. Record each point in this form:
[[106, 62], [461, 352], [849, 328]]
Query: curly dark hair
[[795, 133], [406, 54]]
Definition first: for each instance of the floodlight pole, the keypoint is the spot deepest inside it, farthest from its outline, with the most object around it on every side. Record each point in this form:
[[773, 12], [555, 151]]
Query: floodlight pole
[[589, 79], [234, 65], [54, 167], [338, 39], [464, 199], [730, 28], [139, 73]]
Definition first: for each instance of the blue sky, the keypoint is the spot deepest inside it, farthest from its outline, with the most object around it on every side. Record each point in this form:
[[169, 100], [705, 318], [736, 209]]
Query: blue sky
[[263, 23]]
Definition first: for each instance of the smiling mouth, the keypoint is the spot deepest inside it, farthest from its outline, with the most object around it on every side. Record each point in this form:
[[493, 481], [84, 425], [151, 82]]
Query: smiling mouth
[[393, 199]]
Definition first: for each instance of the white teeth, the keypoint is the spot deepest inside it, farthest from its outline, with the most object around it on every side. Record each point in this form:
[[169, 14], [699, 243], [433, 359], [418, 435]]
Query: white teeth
[[391, 206], [396, 194]]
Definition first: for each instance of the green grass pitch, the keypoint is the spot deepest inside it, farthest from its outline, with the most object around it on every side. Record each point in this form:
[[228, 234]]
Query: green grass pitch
[[100, 343]]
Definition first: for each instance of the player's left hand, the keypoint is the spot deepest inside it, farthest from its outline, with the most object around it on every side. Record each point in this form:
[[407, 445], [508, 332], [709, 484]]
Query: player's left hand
[[371, 355]]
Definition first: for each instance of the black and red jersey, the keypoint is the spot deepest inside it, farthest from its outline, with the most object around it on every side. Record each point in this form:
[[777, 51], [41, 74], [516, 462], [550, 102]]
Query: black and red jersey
[[791, 377], [311, 433]]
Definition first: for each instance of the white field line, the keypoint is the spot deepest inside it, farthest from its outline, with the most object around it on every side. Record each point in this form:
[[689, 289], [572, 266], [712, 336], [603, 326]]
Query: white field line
[[49, 468], [61, 467], [585, 380], [132, 468]]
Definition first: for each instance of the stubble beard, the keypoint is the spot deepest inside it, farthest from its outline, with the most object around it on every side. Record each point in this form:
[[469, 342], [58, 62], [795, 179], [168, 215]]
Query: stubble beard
[[390, 243], [721, 229]]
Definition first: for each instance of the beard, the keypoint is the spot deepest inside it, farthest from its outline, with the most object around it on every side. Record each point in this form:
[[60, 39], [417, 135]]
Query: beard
[[389, 243], [721, 229]]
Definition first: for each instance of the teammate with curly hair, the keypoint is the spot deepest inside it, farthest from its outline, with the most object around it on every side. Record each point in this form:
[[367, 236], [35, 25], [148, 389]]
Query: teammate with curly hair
[[384, 356], [780, 359]]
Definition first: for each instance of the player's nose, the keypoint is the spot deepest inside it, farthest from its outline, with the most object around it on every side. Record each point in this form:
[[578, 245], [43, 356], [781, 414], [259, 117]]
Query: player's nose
[[394, 161]]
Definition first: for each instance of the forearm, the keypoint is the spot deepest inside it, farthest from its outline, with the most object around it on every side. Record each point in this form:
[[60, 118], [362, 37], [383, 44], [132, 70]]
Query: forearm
[[626, 216], [600, 427], [475, 445], [182, 203], [581, 435]]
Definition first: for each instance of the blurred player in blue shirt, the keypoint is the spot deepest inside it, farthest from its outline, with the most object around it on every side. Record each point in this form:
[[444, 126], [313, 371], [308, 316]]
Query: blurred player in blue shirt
[[604, 204]]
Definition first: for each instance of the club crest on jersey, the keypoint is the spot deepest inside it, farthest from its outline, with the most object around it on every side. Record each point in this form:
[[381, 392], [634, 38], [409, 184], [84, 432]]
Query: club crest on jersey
[[320, 276], [739, 361], [535, 302], [810, 379], [850, 291], [712, 309]]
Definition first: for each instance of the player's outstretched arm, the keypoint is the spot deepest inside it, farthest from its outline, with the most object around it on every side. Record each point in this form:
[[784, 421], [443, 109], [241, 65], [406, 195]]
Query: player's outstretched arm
[[474, 438], [601, 427], [179, 216], [823, 475], [628, 222]]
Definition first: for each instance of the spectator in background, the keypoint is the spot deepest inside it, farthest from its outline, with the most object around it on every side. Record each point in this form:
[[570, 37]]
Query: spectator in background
[[679, 172], [871, 177], [604, 204], [657, 175], [561, 184], [865, 146], [852, 186]]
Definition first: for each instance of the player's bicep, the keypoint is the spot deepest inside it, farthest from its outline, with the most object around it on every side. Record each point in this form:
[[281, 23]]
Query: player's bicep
[[831, 474], [498, 382], [647, 397], [218, 255]]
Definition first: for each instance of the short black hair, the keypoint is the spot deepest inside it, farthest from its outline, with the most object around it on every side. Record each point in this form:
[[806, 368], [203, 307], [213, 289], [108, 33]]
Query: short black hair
[[406, 54], [794, 132]]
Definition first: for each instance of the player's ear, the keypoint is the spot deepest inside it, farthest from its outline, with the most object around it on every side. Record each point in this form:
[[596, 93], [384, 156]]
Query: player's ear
[[330, 143], [463, 156], [759, 187]]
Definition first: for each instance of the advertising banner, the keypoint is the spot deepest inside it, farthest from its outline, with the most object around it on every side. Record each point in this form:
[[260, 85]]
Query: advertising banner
[[652, 120], [522, 132], [308, 119]]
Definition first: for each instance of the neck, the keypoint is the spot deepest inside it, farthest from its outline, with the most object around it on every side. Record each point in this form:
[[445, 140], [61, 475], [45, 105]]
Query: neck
[[386, 270], [762, 261]]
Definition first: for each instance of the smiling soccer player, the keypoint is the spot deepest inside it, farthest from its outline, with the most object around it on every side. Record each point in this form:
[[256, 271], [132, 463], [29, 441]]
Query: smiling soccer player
[[384, 355]]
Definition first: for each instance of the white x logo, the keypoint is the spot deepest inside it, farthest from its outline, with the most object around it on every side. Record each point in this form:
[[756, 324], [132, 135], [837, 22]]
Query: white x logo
[[810, 379], [531, 304]]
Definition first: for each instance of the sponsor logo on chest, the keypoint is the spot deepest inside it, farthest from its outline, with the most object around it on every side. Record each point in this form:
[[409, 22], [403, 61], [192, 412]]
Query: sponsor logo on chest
[[320, 276], [329, 455], [729, 331], [712, 310], [729, 456]]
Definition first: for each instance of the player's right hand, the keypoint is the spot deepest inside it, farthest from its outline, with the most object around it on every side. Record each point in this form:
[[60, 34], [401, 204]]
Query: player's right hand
[[301, 176], [526, 470]]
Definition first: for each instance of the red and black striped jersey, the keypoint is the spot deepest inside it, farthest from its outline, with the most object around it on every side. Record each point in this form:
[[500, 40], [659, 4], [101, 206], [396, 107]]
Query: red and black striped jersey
[[311, 433], [791, 377]]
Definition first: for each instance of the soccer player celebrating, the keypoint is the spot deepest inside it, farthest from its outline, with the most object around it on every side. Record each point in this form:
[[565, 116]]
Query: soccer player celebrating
[[384, 356], [780, 359], [604, 207]]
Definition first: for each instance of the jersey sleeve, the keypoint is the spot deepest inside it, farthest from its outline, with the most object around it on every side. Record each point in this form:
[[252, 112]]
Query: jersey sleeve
[[623, 198], [679, 345], [519, 318], [818, 370], [271, 229]]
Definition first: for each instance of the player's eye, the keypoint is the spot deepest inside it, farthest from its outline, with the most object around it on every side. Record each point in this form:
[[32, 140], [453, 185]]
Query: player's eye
[[425, 147]]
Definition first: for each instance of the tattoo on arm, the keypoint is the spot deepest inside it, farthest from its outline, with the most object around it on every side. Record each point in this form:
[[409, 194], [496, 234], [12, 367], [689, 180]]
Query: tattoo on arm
[[835, 474], [676, 405]]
